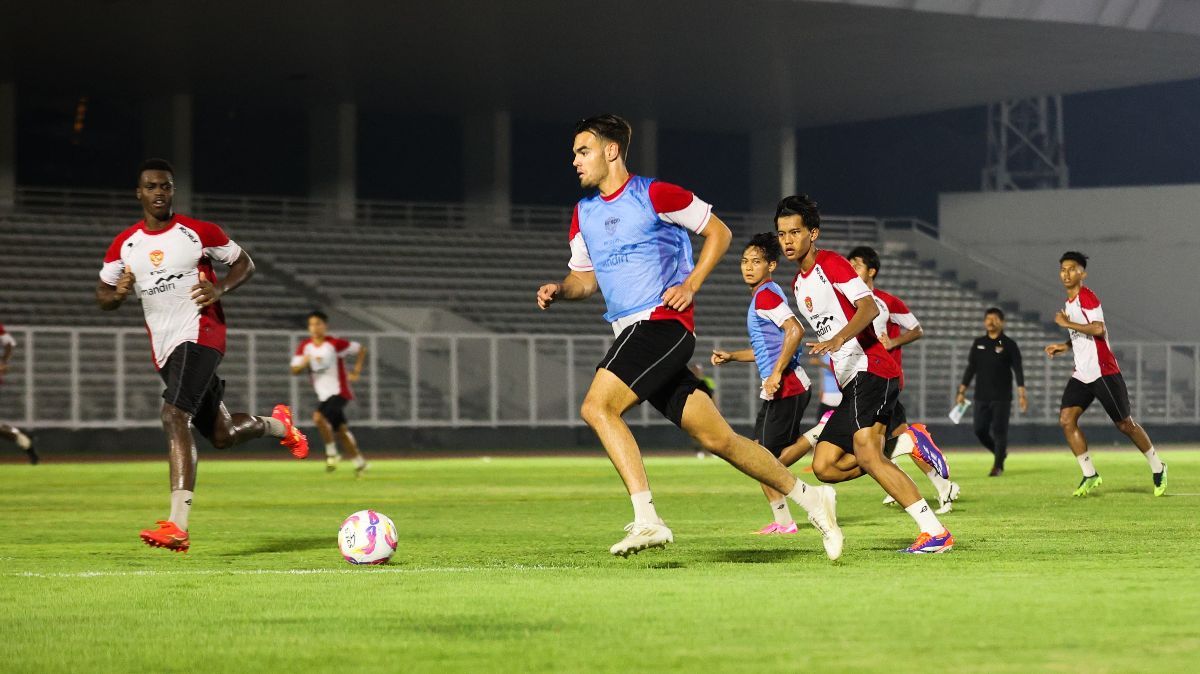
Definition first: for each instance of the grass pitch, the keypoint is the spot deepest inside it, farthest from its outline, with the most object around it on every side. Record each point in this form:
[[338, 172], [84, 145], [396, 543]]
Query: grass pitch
[[503, 566]]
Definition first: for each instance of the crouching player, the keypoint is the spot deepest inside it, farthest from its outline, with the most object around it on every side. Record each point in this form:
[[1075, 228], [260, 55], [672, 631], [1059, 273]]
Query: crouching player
[[775, 335], [322, 356]]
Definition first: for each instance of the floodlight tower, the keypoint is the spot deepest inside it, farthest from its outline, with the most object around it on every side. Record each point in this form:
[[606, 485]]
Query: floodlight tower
[[1025, 148]]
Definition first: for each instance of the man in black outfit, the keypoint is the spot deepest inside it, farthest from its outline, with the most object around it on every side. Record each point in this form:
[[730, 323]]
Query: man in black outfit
[[994, 357]]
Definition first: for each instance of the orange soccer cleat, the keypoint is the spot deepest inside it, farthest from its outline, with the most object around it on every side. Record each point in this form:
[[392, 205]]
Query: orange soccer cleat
[[168, 536], [293, 439]]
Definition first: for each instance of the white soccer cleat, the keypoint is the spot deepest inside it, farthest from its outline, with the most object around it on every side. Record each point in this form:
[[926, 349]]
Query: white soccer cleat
[[824, 520], [331, 462], [888, 500], [642, 536], [946, 501]]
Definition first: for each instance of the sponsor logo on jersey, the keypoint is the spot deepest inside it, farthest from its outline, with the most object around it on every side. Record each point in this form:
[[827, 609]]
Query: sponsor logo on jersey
[[156, 257], [610, 225], [808, 303], [823, 325]]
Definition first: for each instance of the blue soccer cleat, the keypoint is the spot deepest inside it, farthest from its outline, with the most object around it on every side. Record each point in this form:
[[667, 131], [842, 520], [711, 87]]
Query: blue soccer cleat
[[931, 545], [928, 450]]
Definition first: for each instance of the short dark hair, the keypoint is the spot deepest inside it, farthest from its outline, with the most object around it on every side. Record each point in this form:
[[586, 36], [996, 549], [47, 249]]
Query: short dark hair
[[868, 255], [608, 127], [156, 165], [995, 310], [768, 242], [1074, 256], [317, 313], [802, 205]]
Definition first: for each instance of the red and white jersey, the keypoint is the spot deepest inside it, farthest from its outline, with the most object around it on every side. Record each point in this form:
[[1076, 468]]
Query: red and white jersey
[[326, 365], [165, 265], [826, 296], [1093, 357], [894, 317]]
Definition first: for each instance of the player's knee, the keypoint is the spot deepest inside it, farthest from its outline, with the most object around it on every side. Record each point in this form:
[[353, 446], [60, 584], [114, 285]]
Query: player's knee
[[172, 415], [221, 439], [824, 469], [717, 442], [318, 418], [1066, 419], [594, 412], [1127, 425]]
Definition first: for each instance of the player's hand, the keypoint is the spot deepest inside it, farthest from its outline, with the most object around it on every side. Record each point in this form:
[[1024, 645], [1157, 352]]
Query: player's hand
[[547, 294], [886, 342], [678, 297], [205, 293], [124, 285], [720, 357], [354, 376], [1061, 319], [771, 385], [960, 398], [828, 346], [1023, 401], [1053, 350]]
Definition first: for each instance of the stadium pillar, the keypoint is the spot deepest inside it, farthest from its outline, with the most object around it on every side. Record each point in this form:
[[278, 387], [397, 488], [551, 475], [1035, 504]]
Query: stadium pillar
[[772, 167], [8, 146], [333, 160], [645, 145], [487, 163], [168, 134]]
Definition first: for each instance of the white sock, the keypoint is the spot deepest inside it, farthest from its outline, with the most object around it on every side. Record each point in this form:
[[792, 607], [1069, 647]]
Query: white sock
[[940, 483], [1085, 464], [806, 496], [814, 433], [275, 427], [359, 460], [24, 442], [331, 449], [1156, 464], [923, 514], [181, 505], [643, 507], [781, 511], [904, 445]]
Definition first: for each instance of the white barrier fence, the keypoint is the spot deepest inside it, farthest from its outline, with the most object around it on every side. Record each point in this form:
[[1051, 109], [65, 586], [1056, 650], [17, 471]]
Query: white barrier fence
[[104, 378]]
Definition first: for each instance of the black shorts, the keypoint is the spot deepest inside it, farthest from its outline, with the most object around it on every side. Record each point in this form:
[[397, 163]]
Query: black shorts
[[193, 386], [651, 357], [867, 399], [779, 421], [333, 409], [1109, 390]]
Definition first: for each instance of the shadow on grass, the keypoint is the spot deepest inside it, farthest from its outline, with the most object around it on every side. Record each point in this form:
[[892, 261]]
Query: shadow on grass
[[285, 545], [760, 556]]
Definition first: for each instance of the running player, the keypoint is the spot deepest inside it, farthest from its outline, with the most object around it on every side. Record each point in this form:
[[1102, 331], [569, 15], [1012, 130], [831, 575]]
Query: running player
[[629, 240], [775, 336], [166, 258], [839, 308], [1096, 376], [8, 432], [896, 326], [323, 356]]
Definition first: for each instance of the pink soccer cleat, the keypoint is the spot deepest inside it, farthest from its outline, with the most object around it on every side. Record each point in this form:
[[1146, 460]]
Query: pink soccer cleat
[[776, 528]]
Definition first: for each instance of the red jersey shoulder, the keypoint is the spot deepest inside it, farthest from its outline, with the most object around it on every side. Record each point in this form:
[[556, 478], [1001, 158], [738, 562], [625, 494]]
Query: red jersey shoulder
[[1088, 299], [211, 235], [837, 268], [2, 330], [766, 300], [300, 347], [894, 304], [668, 198], [574, 224], [338, 343], [114, 249]]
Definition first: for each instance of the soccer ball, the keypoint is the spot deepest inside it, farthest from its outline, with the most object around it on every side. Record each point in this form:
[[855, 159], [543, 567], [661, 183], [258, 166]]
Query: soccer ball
[[367, 537]]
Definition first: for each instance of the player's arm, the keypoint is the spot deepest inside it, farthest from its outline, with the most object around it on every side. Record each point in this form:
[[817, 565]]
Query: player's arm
[[1053, 350], [865, 312], [109, 297], [358, 364], [906, 337], [299, 363], [793, 332], [8, 352], [1019, 372], [968, 375], [716, 242], [1093, 329], [578, 285], [209, 291], [740, 356]]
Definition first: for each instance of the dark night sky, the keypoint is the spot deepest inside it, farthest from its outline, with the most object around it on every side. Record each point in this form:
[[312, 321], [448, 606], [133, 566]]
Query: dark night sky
[[1135, 136]]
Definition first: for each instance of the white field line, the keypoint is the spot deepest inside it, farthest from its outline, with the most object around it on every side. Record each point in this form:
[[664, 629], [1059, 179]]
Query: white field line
[[288, 572]]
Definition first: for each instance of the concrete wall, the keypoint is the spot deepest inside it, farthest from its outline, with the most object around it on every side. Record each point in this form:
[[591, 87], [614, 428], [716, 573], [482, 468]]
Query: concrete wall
[[1143, 243]]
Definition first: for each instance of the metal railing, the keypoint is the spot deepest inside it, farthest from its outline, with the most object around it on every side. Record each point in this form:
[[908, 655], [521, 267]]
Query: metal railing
[[103, 378]]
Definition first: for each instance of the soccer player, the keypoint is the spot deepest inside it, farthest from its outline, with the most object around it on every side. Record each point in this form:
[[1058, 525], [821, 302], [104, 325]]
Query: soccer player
[[166, 259], [24, 442], [775, 336], [1096, 376], [896, 326], [839, 308], [629, 240], [996, 357], [323, 356]]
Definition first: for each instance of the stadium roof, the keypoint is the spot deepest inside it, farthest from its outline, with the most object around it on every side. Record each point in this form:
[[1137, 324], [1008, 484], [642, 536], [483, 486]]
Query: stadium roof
[[708, 64]]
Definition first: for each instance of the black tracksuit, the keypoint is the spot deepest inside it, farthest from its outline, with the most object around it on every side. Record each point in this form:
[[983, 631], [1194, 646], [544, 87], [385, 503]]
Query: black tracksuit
[[994, 361]]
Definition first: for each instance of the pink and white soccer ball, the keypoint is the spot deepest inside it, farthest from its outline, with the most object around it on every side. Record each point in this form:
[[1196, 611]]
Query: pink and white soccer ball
[[367, 537]]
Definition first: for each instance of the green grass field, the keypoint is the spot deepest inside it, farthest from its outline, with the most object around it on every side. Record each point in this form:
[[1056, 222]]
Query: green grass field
[[503, 566]]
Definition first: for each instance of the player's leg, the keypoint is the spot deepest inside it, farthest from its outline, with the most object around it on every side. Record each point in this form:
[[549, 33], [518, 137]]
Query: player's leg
[[778, 430], [325, 430], [1001, 411], [335, 412], [224, 429], [23, 441], [1114, 397], [699, 418], [982, 424], [1077, 396]]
